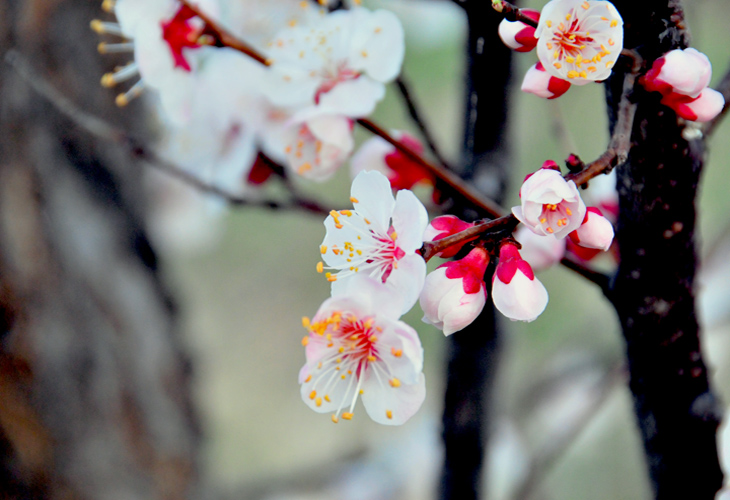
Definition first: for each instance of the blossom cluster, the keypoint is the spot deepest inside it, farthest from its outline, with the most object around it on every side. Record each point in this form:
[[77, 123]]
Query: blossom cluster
[[297, 105]]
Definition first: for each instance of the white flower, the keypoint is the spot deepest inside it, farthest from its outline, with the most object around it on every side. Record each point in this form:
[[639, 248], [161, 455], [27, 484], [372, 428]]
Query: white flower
[[339, 63], [579, 40], [357, 347], [550, 204], [379, 238]]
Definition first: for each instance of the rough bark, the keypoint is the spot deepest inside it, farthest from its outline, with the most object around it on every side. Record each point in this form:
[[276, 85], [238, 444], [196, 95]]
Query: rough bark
[[474, 352], [653, 291], [94, 389]]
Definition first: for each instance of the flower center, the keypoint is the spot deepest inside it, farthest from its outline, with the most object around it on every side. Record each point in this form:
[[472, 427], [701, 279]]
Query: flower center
[[352, 352], [554, 215]]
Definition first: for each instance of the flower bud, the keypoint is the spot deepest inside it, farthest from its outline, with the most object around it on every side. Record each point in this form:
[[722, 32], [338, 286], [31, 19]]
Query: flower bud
[[595, 232], [517, 35], [455, 293], [443, 226], [537, 81], [516, 292]]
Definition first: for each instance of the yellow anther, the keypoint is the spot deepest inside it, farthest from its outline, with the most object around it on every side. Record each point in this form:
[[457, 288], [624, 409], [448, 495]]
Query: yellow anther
[[609, 64], [389, 414], [583, 74], [305, 340], [557, 65], [364, 53], [614, 23], [312, 395], [550, 46], [585, 5], [567, 17], [347, 213], [394, 382], [353, 199], [611, 42], [396, 352], [549, 24], [560, 223], [304, 167], [309, 377], [347, 416], [121, 100], [372, 358], [591, 69], [572, 74], [338, 360], [543, 220], [556, 54], [393, 235], [343, 377], [549, 230], [373, 339], [320, 266], [332, 278], [107, 5], [568, 211], [378, 29], [318, 402], [366, 221], [327, 398], [569, 60], [334, 419], [108, 80]]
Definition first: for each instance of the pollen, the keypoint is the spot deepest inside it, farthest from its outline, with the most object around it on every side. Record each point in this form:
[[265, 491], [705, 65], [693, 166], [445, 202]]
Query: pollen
[[572, 74], [373, 339], [353, 199], [318, 402], [549, 230], [309, 377], [335, 419], [372, 358], [614, 23], [389, 414], [323, 249], [312, 395], [394, 382], [320, 266], [327, 398], [305, 340], [347, 415], [568, 211], [396, 352], [549, 24]]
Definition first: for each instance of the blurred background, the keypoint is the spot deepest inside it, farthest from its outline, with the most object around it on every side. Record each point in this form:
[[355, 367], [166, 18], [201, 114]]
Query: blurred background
[[241, 280]]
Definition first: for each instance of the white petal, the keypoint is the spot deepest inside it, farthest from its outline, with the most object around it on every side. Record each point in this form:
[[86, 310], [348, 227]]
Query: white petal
[[410, 220], [520, 300], [402, 402], [407, 279], [377, 45], [374, 199]]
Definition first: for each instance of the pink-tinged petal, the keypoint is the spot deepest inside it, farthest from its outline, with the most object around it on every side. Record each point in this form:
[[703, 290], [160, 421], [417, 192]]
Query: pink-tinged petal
[[443, 226], [318, 147], [537, 81], [522, 299], [387, 301], [377, 44], [469, 309], [595, 232], [517, 35], [393, 406], [371, 156], [409, 221], [703, 109], [540, 252], [352, 98], [374, 198], [686, 72]]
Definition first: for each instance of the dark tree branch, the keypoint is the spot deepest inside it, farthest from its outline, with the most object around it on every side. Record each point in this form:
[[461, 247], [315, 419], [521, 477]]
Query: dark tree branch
[[415, 115], [653, 292]]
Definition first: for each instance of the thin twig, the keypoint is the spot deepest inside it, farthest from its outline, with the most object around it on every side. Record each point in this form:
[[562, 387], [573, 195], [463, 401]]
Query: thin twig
[[454, 182], [418, 120], [431, 248], [136, 148], [620, 143], [512, 13], [225, 39]]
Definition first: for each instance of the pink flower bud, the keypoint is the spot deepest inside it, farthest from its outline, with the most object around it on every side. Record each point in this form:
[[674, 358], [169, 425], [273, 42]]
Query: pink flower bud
[[550, 204], [517, 35], [515, 291], [685, 72], [455, 293], [703, 108], [595, 232], [537, 81], [401, 171], [444, 226]]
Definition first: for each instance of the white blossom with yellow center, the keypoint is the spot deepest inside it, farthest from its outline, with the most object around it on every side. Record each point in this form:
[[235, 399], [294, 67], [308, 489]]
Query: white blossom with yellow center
[[579, 41]]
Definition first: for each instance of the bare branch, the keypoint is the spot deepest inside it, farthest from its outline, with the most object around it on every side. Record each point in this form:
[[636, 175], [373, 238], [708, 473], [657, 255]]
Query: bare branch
[[136, 148]]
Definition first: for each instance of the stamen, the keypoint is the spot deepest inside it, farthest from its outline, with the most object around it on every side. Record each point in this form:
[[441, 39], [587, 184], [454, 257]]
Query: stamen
[[124, 99], [113, 48], [103, 28], [122, 74]]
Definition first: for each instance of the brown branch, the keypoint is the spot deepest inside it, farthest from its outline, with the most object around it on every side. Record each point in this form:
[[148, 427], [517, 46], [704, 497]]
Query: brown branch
[[225, 39], [136, 148], [431, 248], [512, 12], [453, 181], [620, 143]]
